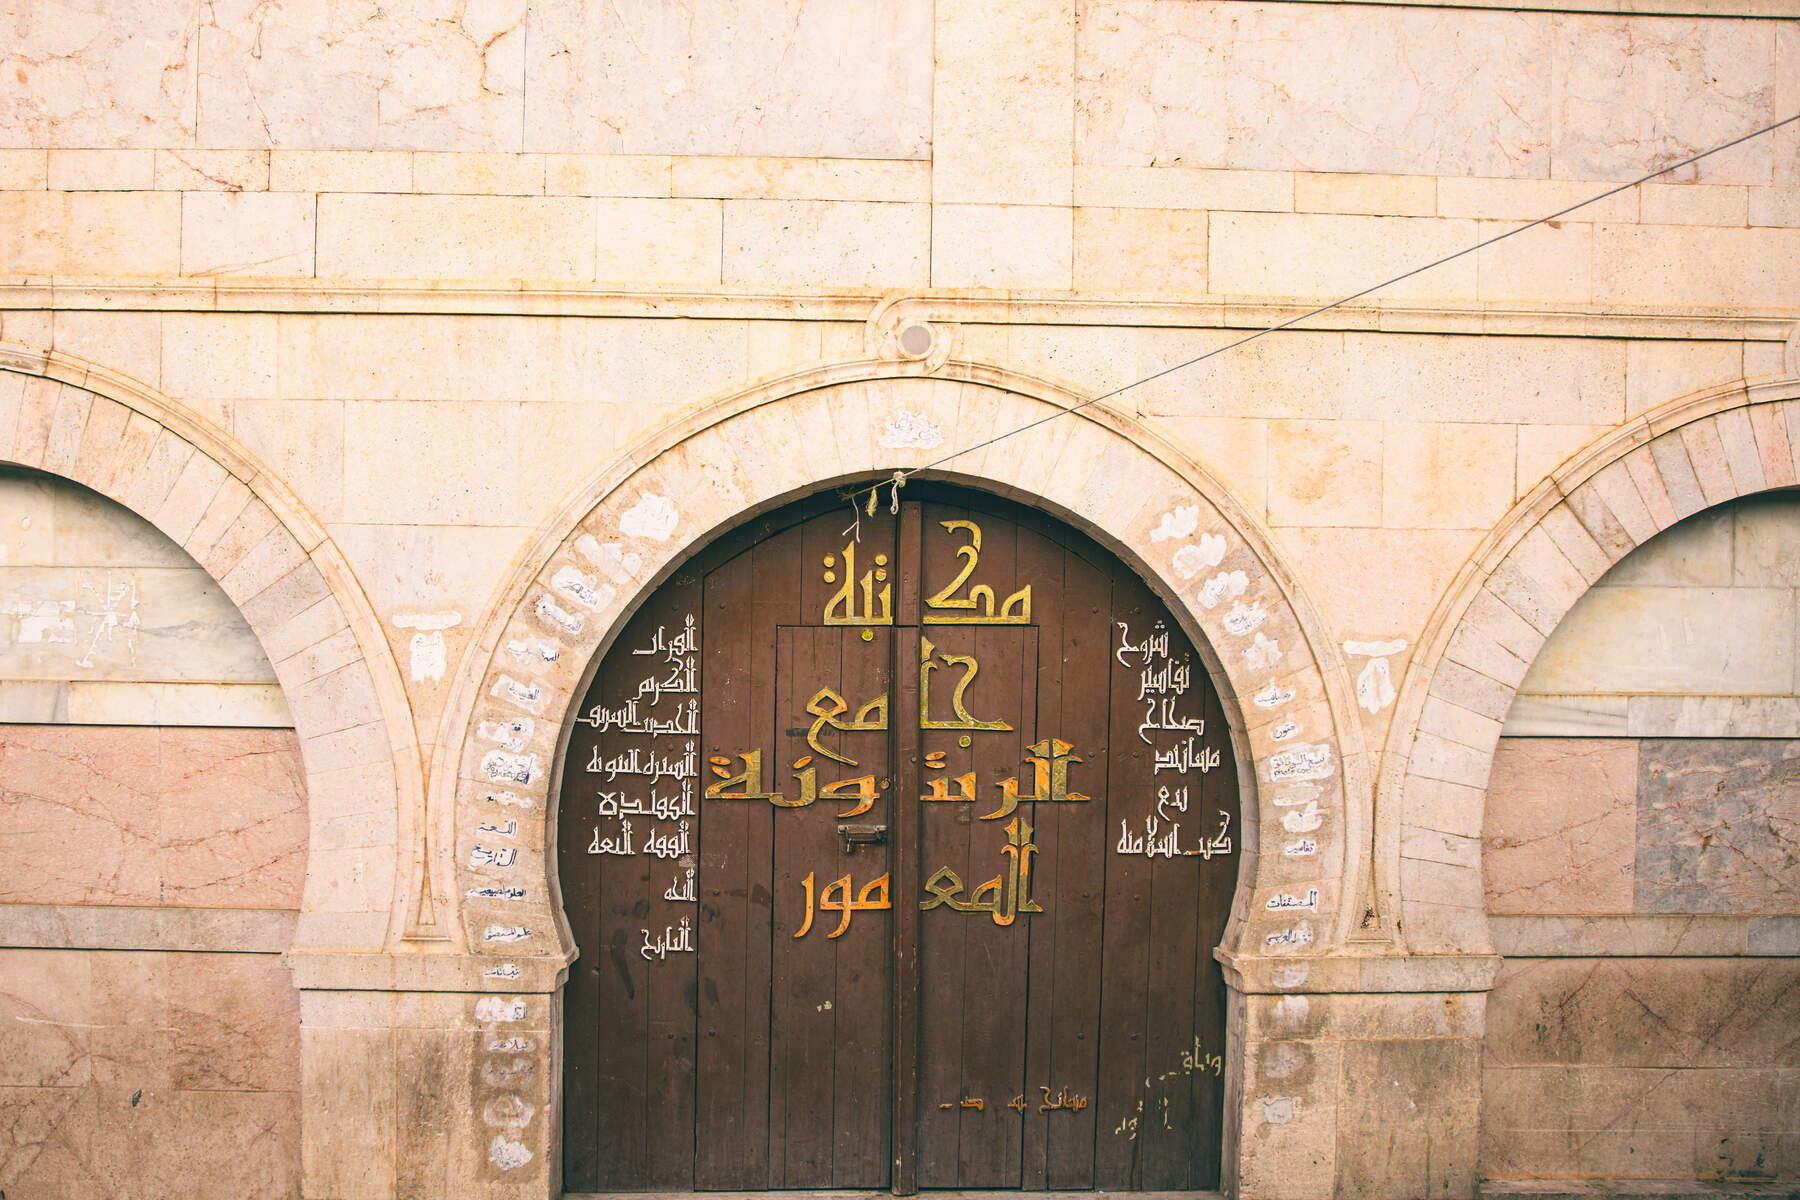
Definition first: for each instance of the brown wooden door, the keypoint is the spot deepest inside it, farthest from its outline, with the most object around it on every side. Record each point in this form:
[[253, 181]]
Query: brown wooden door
[[896, 846]]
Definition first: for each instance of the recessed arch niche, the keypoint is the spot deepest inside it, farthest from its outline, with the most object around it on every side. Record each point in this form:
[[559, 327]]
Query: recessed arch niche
[[1280, 681]]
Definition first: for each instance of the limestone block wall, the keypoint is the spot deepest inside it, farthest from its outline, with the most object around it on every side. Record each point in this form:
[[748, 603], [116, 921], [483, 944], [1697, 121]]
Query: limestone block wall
[[153, 818], [1642, 868], [382, 299]]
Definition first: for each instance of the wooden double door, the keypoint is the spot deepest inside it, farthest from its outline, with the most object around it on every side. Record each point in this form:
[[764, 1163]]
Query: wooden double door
[[896, 846]]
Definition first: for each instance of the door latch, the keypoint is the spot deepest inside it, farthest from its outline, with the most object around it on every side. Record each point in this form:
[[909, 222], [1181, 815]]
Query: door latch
[[853, 836]]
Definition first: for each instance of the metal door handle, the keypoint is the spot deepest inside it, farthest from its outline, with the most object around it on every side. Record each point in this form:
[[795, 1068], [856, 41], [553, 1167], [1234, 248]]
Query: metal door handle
[[853, 836]]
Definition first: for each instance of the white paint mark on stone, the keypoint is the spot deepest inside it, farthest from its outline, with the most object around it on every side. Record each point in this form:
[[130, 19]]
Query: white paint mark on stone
[[1374, 686], [427, 657], [533, 653], [116, 618], [1298, 795], [1244, 618], [1264, 652], [508, 1111], [1280, 1110], [528, 696], [612, 559], [507, 1154], [1190, 560], [1290, 975], [1375, 683], [908, 430], [511, 799], [501, 1008], [553, 615], [1300, 763], [1375, 649], [653, 517], [1272, 696], [583, 589], [1282, 1059], [1226, 585], [437, 619], [1178, 522], [1303, 820], [43, 620], [513, 734], [501, 767]]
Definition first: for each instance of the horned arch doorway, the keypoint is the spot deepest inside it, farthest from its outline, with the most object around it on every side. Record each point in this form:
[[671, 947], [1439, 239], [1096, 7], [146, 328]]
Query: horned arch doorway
[[895, 855]]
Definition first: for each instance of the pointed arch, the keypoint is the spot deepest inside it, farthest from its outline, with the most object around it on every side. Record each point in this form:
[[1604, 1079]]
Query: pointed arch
[[632, 523], [1689, 454], [276, 562]]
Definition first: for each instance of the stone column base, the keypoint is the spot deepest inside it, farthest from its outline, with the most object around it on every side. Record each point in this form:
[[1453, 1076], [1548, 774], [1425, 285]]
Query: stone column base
[[1355, 1076]]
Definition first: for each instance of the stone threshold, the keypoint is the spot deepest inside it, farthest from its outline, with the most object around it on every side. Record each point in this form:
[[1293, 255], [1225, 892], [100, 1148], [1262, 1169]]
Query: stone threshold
[[928, 1193], [1637, 1189]]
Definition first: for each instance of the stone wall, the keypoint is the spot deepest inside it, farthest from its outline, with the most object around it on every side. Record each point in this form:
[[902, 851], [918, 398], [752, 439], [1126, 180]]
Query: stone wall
[[1642, 861], [153, 814], [376, 310]]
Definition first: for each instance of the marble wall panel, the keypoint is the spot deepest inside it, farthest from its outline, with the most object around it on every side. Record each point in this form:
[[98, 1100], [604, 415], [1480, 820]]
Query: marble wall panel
[[1642, 1068], [144, 1143], [1645, 1012], [1671, 640], [1718, 825], [98, 74], [326, 76], [1327, 88], [1629, 94], [802, 78], [1561, 824], [144, 816]]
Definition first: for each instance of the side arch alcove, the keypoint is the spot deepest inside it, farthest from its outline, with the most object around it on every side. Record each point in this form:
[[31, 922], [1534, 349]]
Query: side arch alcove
[[277, 564], [1688, 455], [1284, 689]]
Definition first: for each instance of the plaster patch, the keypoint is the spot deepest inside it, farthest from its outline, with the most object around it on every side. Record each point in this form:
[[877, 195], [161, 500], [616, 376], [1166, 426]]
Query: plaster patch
[[1299, 763], [1244, 618], [1272, 696], [427, 657], [501, 767], [611, 558], [513, 734], [528, 696], [1280, 1110], [583, 589], [1289, 975], [1303, 820], [553, 615], [1178, 522], [908, 430], [653, 517], [507, 1154], [427, 620], [1265, 651], [1375, 649], [1374, 685], [508, 1112], [501, 1008], [533, 653], [1226, 585]]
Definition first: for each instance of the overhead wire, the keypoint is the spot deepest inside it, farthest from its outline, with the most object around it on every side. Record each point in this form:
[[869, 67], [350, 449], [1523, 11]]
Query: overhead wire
[[899, 478]]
